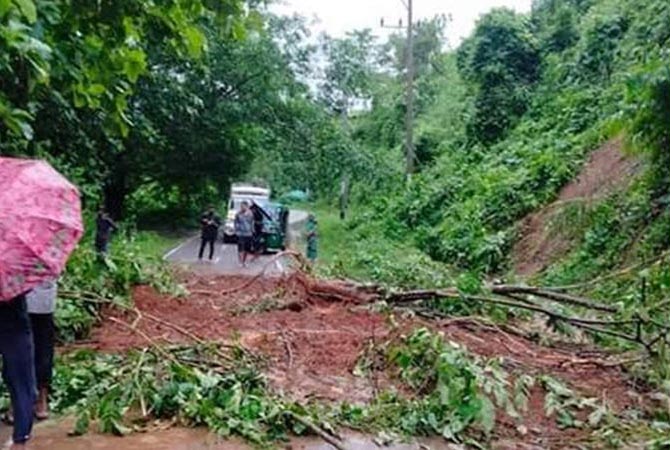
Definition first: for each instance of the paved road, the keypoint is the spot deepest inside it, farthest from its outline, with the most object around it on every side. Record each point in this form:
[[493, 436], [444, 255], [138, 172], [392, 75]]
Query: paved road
[[225, 255]]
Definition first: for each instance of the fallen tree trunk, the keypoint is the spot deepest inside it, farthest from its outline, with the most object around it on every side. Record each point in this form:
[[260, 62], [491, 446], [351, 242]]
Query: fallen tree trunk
[[503, 295]]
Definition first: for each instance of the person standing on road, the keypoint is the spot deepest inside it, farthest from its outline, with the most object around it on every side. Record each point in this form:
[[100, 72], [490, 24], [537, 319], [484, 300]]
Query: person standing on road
[[209, 223], [18, 366], [104, 226], [244, 231], [257, 239], [41, 303], [312, 238]]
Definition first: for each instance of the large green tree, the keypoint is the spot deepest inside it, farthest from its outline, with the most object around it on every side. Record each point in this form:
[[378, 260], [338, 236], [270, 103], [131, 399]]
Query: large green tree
[[502, 61], [69, 71], [350, 64]]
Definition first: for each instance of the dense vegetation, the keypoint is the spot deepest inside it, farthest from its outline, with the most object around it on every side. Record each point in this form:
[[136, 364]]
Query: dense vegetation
[[154, 108], [509, 117]]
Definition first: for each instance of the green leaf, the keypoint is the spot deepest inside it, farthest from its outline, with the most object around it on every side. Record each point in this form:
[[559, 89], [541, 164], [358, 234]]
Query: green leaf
[[596, 417], [134, 64], [195, 41], [5, 6], [487, 415], [96, 89], [239, 31], [26, 130], [254, 20], [82, 424], [28, 9]]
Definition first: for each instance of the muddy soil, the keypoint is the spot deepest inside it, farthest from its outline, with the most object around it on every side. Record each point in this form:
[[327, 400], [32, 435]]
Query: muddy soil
[[607, 170], [313, 346], [53, 435]]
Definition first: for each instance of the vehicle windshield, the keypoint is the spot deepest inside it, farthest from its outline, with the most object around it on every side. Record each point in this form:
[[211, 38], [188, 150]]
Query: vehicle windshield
[[236, 203]]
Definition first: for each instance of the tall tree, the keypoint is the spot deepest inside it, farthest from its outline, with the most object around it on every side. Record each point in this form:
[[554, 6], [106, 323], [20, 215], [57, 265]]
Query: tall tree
[[502, 61], [69, 69], [349, 67]]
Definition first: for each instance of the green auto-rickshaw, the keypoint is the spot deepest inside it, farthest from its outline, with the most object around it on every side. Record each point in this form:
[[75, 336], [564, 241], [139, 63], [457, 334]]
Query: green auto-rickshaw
[[274, 234]]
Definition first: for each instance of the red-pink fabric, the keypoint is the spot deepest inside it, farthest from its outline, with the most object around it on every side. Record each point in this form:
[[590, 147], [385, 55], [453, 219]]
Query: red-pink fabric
[[40, 224]]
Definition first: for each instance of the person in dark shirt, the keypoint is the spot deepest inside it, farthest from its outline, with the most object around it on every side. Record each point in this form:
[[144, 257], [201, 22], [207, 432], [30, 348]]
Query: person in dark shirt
[[257, 239], [209, 225], [18, 371], [104, 226]]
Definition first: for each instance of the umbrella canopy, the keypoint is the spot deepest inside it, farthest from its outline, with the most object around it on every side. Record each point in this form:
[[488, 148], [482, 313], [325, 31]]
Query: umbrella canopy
[[40, 224]]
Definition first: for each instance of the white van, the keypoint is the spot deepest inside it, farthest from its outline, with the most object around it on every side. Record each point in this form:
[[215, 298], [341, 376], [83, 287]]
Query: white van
[[240, 192]]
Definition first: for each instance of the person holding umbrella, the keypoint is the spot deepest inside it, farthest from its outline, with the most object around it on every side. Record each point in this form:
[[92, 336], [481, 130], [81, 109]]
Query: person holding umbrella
[[40, 304], [18, 373], [40, 225]]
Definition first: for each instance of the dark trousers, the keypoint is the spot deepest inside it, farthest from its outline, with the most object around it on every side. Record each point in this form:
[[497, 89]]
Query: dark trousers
[[44, 336], [18, 371], [101, 244], [203, 243]]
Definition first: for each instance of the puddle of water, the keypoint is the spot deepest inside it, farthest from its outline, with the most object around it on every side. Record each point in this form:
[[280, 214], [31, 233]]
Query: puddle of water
[[53, 435]]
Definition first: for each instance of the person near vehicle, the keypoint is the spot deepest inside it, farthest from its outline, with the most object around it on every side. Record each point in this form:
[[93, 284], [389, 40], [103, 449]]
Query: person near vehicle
[[244, 231], [257, 238], [209, 225], [344, 198], [41, 303], [312, 238], [18, 366], [104, 226]]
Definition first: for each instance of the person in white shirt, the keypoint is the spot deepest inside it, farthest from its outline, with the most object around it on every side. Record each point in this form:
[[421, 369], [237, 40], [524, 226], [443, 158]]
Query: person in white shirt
[[41, 306]]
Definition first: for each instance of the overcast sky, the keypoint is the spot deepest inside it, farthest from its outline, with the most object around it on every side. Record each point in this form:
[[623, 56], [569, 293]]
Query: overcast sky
[[336, 17]]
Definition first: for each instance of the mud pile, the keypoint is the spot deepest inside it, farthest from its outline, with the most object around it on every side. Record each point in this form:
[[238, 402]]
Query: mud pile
[[312, 345]]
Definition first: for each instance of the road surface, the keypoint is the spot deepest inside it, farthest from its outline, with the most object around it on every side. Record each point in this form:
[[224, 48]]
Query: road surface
[[225, 255]]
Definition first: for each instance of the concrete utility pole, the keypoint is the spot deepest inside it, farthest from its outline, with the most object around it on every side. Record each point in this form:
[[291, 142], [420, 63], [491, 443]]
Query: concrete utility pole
[[410, 156], [409, 120]]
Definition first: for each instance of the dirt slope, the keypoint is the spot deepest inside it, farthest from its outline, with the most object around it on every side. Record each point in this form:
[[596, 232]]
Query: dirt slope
[[607, 170]]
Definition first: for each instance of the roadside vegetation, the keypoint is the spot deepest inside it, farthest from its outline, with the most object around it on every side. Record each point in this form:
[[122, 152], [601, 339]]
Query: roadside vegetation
[[154, 109]]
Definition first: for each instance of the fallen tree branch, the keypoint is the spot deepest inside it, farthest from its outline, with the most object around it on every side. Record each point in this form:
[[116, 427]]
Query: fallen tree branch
[[554, 296], [426, 295], [337, 443], [586, 324], [626, 337], [147, 338], [609, 276]]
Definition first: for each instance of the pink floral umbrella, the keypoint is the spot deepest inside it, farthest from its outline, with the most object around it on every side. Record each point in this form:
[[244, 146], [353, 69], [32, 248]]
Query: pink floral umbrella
[[40, 224]]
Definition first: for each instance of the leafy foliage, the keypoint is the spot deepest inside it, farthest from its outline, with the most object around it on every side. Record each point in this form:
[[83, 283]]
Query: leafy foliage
[[509, 118], [155, 109], [460, 386], [350, 65], [105, 388]]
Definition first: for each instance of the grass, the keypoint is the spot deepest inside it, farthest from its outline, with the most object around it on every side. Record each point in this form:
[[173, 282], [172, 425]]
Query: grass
[[367, 253], [155, 244], [333, 235]]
